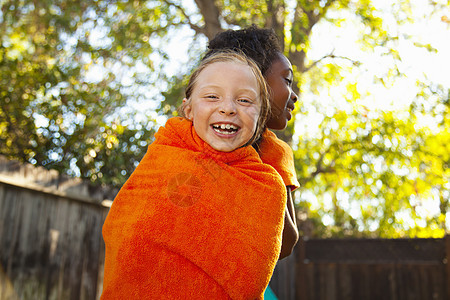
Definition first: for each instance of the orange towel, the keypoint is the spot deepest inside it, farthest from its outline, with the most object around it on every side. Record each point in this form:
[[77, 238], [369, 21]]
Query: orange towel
[[279, 155], [194, 223]]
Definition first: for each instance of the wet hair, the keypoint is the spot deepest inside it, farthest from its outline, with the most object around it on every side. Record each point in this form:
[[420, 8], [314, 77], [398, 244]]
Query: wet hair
[[234, 57], [261, 45]]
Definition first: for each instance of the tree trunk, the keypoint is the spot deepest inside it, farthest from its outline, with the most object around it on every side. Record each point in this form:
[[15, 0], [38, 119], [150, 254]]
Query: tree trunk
[[210, 12], [276, 22]]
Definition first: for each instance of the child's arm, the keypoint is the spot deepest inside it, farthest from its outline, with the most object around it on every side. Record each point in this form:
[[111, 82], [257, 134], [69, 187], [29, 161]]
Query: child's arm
[[290, 231], [279, 155]]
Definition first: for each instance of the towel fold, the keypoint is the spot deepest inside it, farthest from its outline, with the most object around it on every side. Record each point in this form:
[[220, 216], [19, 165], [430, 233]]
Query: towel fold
[[194, 223], [279, 155]]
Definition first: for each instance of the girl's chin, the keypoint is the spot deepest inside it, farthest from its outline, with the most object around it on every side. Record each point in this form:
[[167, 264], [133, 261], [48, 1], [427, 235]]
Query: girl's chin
[[277, 124]]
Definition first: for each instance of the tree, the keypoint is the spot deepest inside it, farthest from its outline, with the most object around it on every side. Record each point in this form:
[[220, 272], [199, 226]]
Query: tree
[[70, 71], [372, 172], [51, 114]]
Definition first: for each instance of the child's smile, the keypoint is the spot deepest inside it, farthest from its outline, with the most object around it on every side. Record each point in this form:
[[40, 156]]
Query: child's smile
[[225, 128], [225, 105]]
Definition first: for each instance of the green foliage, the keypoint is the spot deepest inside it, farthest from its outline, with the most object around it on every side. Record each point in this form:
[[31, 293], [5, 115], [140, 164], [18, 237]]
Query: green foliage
[[368, 172], [243, 13], [72, 72], [50, 114], [372, 173]]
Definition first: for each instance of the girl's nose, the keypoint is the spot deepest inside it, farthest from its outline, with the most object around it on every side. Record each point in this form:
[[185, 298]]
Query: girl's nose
[[227, 107], [294, 96]]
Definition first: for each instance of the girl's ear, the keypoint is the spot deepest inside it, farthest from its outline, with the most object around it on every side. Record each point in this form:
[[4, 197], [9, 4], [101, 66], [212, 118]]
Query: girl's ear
[[187, 109]]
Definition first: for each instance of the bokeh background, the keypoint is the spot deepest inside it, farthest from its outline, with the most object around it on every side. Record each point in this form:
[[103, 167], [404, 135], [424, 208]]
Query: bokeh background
[[84, 85]]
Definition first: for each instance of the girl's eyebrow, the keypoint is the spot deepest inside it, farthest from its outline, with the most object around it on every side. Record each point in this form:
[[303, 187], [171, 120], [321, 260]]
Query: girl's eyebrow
[[288, 72], [206, 87]]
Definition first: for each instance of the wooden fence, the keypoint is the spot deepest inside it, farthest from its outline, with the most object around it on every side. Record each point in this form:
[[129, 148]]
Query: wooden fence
[[51, 248], [368, 269], [50, 235]]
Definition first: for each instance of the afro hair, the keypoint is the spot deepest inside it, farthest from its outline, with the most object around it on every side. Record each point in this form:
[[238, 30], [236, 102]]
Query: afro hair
[[261, 45]]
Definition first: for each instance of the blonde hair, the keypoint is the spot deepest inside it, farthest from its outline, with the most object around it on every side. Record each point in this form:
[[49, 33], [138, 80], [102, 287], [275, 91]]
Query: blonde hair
[[232, 56]]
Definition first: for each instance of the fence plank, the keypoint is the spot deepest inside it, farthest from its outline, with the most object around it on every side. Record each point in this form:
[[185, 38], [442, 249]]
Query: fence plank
[[447, 264], [400, 269], [302, 281], [50, 246]]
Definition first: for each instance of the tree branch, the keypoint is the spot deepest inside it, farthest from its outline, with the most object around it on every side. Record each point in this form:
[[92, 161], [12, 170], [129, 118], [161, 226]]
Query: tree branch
[[211, 14], [331, 55], [197, 29]]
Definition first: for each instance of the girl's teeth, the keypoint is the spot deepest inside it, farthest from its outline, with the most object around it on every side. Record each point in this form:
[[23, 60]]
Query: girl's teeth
[[223, 132], [225, 128]]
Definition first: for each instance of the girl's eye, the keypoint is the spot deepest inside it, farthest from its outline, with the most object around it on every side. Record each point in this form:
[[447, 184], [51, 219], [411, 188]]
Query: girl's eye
[[289, 81], [244, 101], [211, 97]]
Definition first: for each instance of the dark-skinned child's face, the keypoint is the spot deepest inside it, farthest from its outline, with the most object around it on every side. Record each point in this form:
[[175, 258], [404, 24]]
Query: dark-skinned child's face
[[282, 98]]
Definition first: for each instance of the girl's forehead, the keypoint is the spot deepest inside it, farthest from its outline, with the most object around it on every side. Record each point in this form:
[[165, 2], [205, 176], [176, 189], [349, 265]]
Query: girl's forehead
[[279, 64], [227, 71], [226, 64]]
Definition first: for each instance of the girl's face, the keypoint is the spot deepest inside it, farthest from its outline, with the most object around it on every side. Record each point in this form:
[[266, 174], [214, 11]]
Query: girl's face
[[225, 105], [282, 98]]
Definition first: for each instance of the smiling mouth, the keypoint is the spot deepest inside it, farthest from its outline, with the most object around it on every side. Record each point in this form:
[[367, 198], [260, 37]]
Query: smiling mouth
[[225, 128], [290, 108]]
